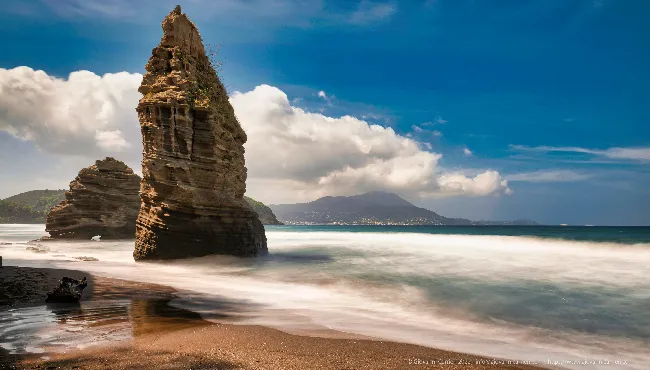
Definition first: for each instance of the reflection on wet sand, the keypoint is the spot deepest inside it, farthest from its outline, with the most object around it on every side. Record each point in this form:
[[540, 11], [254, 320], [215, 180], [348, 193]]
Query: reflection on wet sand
[[142, 327], [33, 334], [107, 313], [152, 315], [60, 327], [110, 311], [57, 328]]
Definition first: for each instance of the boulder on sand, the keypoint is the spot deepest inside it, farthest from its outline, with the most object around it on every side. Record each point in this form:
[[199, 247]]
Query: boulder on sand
[[68, 291]]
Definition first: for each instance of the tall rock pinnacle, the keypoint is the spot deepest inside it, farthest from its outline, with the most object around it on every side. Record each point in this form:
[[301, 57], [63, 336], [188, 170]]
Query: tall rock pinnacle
[[194, 177]]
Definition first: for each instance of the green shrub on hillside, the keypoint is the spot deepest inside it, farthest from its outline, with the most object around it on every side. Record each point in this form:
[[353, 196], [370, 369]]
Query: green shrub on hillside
[[38, 200], [11, 213]]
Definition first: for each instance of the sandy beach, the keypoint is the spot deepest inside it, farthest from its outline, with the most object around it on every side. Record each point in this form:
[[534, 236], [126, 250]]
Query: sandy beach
[[164, 337]]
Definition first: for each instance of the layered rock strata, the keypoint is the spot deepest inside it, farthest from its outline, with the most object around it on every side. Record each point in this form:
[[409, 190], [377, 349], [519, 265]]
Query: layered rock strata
[[194, 177], [102, 200]]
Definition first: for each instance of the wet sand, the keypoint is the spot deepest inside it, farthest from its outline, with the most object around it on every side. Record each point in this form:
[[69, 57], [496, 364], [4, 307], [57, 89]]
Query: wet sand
[[164, 337], [24, 287]]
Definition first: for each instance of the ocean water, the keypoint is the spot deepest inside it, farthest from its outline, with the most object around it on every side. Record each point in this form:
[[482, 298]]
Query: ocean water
[[573, 297]]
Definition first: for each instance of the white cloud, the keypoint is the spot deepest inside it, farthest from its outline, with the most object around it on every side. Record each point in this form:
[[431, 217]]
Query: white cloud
[[313, 155], [370, 12], [291, 154], [322, 95], [632, 153], [467, 152], [549, 176], [641, 154], [437, 121], [83, 115], [486, 183], [419, 130], [111, 141]]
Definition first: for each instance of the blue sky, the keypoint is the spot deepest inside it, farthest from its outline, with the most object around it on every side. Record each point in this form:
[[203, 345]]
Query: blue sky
[[552, 94]]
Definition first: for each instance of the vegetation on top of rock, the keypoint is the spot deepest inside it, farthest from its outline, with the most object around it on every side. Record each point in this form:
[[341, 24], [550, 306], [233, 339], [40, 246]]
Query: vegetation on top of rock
[[265, 213]]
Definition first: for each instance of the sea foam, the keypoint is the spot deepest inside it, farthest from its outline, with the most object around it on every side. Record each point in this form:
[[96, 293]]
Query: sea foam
[[523, 298]]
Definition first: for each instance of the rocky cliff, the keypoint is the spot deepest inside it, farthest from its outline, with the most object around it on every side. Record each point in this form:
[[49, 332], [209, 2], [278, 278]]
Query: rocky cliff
[[102, 200], [194, 177]]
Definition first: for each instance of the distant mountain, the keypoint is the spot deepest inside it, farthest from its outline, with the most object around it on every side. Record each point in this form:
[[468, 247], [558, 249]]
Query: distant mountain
[[32, 207], [12, 213], [38, 200], [29, 207], [374, 208], [266, 215]]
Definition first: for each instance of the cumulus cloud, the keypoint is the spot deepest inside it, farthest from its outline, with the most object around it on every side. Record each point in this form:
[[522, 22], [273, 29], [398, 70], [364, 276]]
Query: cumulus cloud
[[291, 154], [83, 115], [467, 152], [322, 95], [302, 150], [111, 141], [630, 153], [549, 176], [486, 183]]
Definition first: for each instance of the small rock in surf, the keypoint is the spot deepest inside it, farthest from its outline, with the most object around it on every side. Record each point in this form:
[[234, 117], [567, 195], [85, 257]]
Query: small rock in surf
[[84, 258]]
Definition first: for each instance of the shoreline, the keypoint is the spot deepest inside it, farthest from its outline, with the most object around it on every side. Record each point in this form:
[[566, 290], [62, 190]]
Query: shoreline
[[164, 336]]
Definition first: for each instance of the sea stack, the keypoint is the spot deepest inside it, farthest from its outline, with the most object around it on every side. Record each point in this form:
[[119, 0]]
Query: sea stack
[[102, 200], [194, 178]]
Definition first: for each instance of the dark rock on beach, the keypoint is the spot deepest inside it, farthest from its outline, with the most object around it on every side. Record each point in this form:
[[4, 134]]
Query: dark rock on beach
[[22, 286], [68, 291]]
